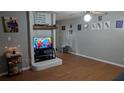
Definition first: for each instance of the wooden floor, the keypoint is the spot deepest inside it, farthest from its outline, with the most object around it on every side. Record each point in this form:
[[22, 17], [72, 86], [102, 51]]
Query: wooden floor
[[73, 68]]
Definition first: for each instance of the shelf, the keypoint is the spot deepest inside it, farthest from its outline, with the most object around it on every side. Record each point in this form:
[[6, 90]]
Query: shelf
[[44, 27], [14, 62]]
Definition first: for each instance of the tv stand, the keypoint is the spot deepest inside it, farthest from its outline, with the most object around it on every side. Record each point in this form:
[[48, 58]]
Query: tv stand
[[44, 54]]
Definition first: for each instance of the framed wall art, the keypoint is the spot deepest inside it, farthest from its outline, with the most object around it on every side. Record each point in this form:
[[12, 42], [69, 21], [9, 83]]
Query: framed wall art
[[70, 25], [93, 26], [99, 26], [107, 25], [63, 27], [119, 23], [99, 18], [10, 24], [86, 25], [79, 27], [70, 32]]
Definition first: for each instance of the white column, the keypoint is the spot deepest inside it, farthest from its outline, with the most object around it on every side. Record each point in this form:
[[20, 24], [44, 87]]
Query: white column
[[54, 31], [31, 23]]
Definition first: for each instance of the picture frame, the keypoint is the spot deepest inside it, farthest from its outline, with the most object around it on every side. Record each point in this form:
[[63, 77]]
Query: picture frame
[[71, 32], [10, 24], [79, 27], [106, 24], [119, 23], [99, 18], [70, 25], [93, 26], [63, 28], [99, 26], [86, 25]]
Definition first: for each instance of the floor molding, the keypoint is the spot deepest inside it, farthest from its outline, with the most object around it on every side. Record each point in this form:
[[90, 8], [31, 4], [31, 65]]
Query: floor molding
[[97, 59], [2, 74], [23, 69]]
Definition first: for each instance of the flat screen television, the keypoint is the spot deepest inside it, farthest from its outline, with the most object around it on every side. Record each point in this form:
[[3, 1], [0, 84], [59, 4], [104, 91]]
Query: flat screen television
[[42, 42]]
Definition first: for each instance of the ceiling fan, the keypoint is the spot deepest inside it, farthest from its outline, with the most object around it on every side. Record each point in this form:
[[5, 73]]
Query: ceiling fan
[[96, 12], [87, 16]]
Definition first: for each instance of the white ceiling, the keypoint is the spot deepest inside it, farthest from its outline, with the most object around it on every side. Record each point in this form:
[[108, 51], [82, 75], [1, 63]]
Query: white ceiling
[[62, 15]]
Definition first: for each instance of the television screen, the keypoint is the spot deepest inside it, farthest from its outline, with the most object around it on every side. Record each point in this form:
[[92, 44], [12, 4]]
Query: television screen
[[42, 42]]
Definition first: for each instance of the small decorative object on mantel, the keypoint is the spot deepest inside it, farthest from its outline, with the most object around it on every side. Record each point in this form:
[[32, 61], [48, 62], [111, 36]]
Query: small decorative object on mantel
[[10, 24]]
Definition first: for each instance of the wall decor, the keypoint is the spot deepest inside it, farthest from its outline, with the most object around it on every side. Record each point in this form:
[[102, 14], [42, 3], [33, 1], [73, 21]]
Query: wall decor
[[63, 27], [119, 23], [107, 25], [93, 26], [70, 25], [10, 24], [99, 18], [86, 25], [70, 32], [41, 18], [99, 26], [79, 27]]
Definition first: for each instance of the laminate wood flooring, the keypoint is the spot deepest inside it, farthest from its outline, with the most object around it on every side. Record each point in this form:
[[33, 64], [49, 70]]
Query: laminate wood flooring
[[74, 68]]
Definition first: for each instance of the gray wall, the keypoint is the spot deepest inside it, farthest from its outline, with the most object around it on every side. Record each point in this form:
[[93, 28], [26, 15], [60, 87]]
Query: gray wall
[[19, 38], [103, 44]]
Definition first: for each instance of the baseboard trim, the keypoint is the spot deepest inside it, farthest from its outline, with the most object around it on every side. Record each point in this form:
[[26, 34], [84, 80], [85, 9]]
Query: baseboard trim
[[2, 74], [23, 69], [97, 59]]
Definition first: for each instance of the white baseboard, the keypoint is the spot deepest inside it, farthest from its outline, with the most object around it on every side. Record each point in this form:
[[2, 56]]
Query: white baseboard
[[23, 69], [2, 74], [97, 59], [73, 53]]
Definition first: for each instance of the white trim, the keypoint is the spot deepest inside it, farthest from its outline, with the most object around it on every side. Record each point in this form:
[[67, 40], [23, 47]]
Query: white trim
[[73, 53], [2, 74], [47, 64], [97, 59], [23, 69]]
